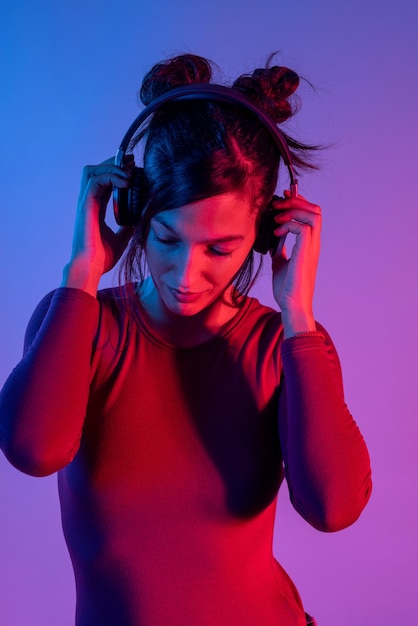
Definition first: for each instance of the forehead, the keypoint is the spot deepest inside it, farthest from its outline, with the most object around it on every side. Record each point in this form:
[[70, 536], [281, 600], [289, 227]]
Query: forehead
[[225, 214]]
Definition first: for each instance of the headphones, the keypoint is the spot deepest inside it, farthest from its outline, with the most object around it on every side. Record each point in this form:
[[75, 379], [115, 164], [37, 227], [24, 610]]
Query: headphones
[[128, 202]]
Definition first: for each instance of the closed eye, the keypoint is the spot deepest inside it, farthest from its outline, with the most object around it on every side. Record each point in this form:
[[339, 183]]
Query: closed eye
[[167, 242], [210, 249], [218, 252]]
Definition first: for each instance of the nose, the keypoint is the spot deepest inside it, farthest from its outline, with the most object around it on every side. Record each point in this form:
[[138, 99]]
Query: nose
[[187, 269]]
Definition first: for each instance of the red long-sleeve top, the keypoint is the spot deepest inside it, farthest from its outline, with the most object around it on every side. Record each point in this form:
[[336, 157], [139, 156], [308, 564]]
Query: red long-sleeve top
[[170, 459]]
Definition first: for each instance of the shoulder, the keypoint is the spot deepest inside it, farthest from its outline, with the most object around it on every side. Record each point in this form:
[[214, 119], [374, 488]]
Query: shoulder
[[261, 328], [262, 321], [58, 304], [109, 309], [119, 314], [117, 296], [258, 334], [118, 302]]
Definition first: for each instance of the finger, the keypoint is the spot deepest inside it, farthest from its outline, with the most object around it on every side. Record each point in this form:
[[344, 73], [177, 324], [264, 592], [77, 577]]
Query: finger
[[279, 249], [305, 234], [87, 170], [97, 193], [285, 211], [304, 216], [128, 160], [101, 184], [288, 194], [296, 228], [107, 167], [278, 261], [291, 201], [109, 179]]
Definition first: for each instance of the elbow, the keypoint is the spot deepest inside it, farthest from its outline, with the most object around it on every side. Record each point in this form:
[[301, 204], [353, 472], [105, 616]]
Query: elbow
[[37, 467], [37, 463], [331, 515], [336, 520], [38, 470]]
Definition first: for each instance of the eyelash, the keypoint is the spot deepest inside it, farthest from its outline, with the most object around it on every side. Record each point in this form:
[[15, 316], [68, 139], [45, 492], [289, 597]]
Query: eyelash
[[172, 242]]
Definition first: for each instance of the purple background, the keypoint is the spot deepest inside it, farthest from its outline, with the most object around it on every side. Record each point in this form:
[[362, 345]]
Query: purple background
[[70, 74]]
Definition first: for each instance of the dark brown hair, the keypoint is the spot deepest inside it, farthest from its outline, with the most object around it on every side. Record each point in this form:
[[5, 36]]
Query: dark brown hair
[[198, 149]]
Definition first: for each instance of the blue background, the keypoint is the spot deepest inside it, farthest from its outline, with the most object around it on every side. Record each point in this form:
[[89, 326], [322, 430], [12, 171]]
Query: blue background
[[70, 72]]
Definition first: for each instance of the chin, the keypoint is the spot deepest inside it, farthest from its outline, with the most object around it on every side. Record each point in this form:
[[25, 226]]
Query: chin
[[186, 309], [187, 305]]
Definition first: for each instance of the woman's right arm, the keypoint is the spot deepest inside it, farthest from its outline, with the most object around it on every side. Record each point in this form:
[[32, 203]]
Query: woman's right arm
[[43, 402], [96, 247]]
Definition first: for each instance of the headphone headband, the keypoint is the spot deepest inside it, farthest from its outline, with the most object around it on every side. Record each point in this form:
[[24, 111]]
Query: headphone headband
[[218, 93], [128, 203]]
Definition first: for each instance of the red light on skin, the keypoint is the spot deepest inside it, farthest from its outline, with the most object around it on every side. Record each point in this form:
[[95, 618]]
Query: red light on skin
[[185, 297], [194, 252]]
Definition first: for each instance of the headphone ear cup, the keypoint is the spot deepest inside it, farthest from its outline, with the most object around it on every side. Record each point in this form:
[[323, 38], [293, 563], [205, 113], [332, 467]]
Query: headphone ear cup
[[266, 240], [137, 196], [128, 203]]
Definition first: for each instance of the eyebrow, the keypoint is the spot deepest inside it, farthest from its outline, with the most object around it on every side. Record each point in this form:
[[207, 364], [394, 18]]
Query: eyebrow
[[225, 239]]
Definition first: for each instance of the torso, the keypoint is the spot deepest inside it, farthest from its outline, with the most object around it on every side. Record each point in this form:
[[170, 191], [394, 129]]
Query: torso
[[171, 498]]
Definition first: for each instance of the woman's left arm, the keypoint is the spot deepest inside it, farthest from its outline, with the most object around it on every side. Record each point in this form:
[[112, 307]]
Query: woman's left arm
[[326, 460], [327, 464]]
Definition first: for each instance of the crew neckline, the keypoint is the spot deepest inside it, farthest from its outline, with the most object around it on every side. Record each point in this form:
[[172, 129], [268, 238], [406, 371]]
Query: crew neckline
[[153, 335]]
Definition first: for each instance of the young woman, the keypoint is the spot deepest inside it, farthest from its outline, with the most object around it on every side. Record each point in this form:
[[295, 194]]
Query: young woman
[[173, 407]]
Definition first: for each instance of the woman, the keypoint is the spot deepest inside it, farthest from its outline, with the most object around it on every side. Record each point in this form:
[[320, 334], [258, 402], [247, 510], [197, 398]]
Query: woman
[[173, 407]]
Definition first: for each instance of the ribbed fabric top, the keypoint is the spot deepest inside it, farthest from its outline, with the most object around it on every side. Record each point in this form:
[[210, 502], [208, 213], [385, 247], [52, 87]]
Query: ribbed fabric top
[[170, 459]]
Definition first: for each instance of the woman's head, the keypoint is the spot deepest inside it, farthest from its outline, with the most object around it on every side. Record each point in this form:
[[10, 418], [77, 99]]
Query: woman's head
[[195, 251], [200, 149]]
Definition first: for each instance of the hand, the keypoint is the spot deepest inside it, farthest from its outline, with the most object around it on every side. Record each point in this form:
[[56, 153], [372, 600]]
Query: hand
[[294, 277], [96, 247]]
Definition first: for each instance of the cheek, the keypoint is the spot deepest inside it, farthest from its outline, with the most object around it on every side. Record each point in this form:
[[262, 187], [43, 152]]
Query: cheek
[[153, 252], [155, 261], [231, 267]]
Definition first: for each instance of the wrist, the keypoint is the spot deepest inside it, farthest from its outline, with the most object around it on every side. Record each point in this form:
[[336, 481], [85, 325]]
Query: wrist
[[79, 276], [297, 322]]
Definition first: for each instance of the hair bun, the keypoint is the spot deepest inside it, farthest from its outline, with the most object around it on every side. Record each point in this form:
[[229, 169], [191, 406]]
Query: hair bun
[[271, 87], [185, 69]]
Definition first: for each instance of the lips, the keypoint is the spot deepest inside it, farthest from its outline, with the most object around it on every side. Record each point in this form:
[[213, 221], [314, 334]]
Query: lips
[[185, 297]]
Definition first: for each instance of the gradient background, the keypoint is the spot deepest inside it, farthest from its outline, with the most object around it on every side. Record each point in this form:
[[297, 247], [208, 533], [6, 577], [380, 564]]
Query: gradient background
[[70, 74]]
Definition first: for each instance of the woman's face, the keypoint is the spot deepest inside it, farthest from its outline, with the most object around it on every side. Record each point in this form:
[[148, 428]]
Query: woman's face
[[194, 252]]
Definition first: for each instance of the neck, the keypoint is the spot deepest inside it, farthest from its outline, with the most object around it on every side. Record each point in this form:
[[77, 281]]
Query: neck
[[186, 331]]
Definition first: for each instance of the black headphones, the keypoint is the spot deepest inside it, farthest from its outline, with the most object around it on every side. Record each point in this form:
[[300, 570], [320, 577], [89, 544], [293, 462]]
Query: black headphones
[[128, 202]]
